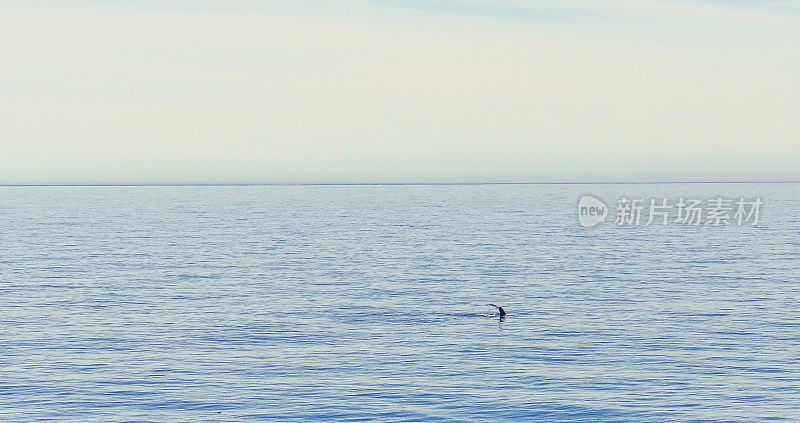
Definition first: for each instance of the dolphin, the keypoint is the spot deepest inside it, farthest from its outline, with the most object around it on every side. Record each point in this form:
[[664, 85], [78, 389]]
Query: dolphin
[[500, 309]]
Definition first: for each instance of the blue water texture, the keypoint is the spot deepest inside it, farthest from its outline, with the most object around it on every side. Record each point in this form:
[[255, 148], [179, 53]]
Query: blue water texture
[[368, 303]]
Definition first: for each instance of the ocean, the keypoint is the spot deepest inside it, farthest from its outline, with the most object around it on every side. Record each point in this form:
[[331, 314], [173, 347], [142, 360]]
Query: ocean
[[369, 303]]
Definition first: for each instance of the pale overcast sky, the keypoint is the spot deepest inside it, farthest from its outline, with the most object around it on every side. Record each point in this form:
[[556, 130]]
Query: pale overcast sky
[[234, 91]]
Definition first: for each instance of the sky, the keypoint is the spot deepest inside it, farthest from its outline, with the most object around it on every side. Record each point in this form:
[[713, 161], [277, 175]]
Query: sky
[[374, 91]]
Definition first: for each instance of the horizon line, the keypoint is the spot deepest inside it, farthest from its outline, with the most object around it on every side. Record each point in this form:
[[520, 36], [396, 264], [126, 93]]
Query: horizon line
[[223, 184]]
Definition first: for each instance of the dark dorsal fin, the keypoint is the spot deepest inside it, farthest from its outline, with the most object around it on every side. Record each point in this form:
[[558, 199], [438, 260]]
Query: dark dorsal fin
[[500, 309]]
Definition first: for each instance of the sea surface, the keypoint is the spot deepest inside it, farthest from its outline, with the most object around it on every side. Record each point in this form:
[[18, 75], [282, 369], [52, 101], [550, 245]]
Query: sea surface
[[369, 303]]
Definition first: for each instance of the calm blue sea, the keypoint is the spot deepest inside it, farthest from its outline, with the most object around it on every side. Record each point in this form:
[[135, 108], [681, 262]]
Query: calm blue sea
[[368, 303]]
